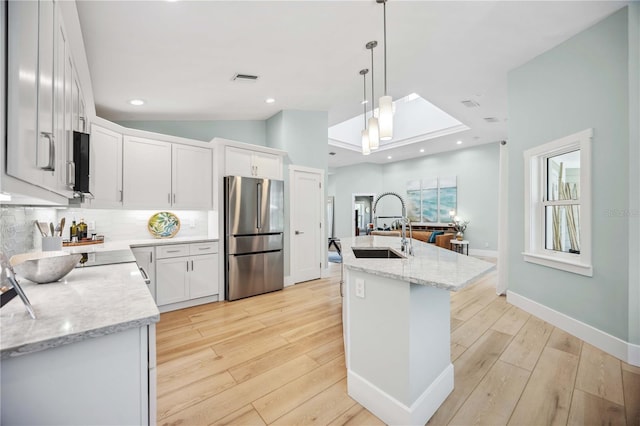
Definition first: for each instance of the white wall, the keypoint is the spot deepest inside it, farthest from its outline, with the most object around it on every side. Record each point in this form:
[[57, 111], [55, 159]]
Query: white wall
[[476, 170], [582, 83]]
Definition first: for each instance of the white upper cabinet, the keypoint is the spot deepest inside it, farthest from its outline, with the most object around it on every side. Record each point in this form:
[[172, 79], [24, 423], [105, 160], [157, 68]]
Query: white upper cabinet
[[39, 138], [46, 148], [22, 93], [105, 168], [161, 175], [191, 172], [146, 173], [245, 162]]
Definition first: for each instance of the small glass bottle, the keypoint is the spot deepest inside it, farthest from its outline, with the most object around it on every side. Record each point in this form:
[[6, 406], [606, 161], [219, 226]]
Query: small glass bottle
[[82, 230], [73, 232]]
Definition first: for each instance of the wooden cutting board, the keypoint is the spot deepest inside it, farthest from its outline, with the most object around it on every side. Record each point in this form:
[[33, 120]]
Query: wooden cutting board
[[81, 243]]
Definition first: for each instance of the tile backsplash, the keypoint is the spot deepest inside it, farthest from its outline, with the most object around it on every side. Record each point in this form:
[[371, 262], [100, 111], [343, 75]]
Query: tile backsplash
[[18, 233]]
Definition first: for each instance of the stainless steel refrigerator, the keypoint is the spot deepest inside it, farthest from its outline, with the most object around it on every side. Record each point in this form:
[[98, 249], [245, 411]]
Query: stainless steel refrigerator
[[254, 226]]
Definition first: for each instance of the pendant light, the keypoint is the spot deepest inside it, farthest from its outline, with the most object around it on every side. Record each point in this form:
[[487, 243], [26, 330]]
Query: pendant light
[[365, 132], [385, 114], [374, 135]]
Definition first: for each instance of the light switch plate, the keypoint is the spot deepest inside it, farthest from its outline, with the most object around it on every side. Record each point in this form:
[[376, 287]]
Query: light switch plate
[[360, 288]]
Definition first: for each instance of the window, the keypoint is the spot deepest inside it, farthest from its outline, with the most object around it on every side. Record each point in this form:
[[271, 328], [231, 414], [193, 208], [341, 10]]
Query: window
[[558, 204]]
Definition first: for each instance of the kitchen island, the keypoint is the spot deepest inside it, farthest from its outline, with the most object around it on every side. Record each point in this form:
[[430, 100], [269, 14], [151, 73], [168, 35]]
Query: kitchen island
[[397, 326], [88, 358]]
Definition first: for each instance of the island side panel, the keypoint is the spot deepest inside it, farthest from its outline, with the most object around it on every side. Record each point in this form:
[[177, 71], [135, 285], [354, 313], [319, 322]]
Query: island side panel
[[96, 381], [429, 336], [379, 327], [398, 347]]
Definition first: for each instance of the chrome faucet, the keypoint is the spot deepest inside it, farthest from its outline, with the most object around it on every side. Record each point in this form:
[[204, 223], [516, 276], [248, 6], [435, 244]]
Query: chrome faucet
[[406, 245]]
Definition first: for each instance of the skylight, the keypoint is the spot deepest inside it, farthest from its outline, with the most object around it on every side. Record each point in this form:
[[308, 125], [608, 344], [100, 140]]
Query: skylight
[[415, 120]]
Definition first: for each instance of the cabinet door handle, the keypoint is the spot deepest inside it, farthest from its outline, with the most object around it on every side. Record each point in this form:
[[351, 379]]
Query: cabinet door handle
[[187, 266], [146, 278], [121, 196], [51, 166], [150, 257], [174, 198], [71, 174], [173, 251], [169, 198], [204, 248], [192, 266]]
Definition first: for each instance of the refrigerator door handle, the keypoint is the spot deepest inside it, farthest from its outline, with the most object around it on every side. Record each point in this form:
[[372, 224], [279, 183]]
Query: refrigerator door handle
[[259, 206]]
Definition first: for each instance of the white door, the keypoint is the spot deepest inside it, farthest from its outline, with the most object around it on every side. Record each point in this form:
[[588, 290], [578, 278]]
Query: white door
[[238, 162], [203, 276], [267, 165], [191, 185], [146, 173], [105, 167], [172, 284], [307, 209]]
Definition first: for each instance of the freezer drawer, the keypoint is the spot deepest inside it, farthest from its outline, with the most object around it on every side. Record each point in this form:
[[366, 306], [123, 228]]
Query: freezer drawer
[[252, 274]]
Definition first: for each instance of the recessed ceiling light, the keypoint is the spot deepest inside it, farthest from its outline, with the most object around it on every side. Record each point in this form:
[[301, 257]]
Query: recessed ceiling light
[[389, 157], [421, 149], [459, 142], [136, 102], [269, 100]]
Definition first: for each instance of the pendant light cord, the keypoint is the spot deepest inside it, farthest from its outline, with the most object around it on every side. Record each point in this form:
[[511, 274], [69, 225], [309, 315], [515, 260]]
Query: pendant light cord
[[364, 79], [384, 20], [373, 96]]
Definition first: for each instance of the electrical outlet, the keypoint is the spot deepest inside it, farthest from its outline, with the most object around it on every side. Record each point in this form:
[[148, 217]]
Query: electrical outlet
[[91, 257], [486, 245], [360, 288], [192, 223], [91, 225]]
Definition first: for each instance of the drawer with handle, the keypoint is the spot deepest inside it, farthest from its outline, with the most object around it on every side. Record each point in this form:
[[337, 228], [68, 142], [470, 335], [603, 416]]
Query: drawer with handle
[[203, 248], [172, 250]]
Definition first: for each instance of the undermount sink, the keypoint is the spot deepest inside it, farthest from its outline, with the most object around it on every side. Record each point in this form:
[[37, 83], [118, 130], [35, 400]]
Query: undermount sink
[[376, 253]]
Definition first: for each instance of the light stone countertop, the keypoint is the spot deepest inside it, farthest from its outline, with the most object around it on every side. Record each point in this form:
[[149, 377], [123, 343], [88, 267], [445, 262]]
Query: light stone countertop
[[89, 302], [430, 265], [126, 244]]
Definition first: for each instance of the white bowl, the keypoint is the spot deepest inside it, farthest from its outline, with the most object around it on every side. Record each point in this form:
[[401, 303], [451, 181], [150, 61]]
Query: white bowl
[[44, 267]]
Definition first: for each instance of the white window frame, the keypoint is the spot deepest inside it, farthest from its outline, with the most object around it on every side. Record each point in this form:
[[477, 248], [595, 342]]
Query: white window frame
[[534, 207]]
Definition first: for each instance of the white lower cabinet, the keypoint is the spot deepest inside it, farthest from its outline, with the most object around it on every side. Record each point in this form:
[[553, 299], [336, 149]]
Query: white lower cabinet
[[102, 380], [172, 283], [185, 272]]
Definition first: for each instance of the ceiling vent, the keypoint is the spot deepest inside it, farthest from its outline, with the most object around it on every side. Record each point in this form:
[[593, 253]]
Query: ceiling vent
[[470, 103], [491, 119], [245, 77]]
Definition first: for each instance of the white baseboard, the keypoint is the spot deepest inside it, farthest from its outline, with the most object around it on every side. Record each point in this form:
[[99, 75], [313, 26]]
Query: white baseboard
[[393, 412], [288, 281], [190, 303], [483, 253], [612, 345]]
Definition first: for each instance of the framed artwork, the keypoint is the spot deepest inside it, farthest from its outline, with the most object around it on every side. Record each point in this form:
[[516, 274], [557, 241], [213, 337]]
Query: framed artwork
[[431, 199]]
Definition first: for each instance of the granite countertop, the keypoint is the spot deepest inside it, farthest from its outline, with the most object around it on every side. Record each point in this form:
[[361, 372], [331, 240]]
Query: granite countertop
[[126, 244], [430, 265], [87, 303]]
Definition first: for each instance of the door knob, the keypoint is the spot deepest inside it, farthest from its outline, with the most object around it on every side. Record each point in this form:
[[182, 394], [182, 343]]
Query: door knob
[[299, 232]]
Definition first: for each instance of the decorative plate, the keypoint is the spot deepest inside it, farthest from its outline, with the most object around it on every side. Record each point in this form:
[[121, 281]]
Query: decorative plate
[[164, 225]]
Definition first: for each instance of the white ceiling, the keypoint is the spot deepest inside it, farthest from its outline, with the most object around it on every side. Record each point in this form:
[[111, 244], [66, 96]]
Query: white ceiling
[[180, 58]]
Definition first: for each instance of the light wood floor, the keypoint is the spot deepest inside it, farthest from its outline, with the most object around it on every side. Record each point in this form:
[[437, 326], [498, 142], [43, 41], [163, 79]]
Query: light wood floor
[[278, 359]]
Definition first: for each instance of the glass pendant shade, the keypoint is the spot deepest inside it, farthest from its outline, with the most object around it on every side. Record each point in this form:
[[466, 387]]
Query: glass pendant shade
[[385, 118], [374, 134], [365, 142]]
